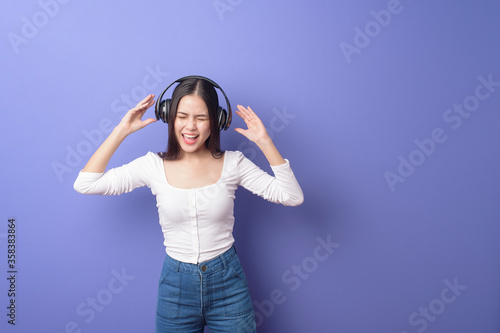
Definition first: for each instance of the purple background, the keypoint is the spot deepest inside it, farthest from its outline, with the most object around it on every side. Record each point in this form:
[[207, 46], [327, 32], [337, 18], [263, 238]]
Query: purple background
[[344, 120]]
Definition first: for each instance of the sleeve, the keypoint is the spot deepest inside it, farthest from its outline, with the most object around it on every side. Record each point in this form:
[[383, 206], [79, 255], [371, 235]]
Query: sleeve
[[117, 180], [283, 188]]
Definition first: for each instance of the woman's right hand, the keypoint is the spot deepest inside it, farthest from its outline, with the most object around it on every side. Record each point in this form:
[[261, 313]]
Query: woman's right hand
[[129, 124], [132, 121]]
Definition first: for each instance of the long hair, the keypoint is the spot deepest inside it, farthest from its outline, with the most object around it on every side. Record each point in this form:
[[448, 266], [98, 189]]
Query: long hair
[[206, 91]]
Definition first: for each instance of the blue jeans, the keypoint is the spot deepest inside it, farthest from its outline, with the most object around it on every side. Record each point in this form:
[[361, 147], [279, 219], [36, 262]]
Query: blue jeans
[[213, 293]]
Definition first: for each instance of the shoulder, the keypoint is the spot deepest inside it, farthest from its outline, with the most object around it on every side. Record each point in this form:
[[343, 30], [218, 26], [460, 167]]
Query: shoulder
[[147, 161], [232, 162], [232, 153], [238, 162], [153, 156], [150, 157], [234, 156]]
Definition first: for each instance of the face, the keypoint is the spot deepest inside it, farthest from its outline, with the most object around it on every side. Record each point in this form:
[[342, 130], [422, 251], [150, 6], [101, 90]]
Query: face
[[192, 124]]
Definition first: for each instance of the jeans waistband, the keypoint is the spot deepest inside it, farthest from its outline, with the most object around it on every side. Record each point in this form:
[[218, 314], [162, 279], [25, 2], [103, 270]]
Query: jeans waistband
[[211, 266]]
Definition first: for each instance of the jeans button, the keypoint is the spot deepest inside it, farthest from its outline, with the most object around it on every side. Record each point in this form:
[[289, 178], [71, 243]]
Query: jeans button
[[203, 268]]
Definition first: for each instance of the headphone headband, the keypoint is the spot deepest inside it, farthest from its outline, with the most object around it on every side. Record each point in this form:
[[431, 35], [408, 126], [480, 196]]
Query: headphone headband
[[223, 116]]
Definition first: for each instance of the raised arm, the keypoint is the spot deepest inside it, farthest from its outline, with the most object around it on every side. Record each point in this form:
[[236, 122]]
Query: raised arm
[[129, 124], [257, 133], [284, 187]]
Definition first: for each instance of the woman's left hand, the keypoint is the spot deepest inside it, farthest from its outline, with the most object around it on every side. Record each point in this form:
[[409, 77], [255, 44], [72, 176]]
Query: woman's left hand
[[256, 131]]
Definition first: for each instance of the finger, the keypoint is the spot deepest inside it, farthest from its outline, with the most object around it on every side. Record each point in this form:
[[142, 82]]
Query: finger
[[239, 111], [149, 121], [247, 121], [240, 130], [251, 111], [244, 112], [150, 104], [250, 117], [241, 108], [138, 111], [147, 99], [142, 108], [251, 114], [147, 103], [243, 115]]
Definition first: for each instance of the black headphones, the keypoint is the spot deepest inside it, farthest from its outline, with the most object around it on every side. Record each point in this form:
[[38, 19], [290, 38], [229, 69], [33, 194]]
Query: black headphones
[[163, 106]]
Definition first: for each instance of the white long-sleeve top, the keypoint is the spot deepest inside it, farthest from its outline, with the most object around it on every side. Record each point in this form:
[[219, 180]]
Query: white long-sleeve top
[[197, 223]]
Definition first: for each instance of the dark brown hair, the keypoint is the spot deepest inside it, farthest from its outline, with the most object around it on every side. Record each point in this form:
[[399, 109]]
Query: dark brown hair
[[206, 91]]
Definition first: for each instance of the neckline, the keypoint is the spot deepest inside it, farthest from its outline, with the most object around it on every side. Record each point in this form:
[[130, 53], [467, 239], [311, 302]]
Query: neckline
[[195, 188]]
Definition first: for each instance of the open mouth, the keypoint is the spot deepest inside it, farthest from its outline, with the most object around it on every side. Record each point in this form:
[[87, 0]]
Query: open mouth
[[189, 138]]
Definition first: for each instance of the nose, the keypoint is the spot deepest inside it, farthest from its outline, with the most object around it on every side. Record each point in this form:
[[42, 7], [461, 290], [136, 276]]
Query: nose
[[191, 123]]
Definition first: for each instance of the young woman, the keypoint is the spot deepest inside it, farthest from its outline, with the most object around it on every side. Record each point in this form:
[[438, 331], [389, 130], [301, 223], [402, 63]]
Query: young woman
[[202, 282]]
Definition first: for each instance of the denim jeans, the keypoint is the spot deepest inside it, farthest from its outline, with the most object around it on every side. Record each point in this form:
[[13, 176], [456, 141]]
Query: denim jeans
[[213, 293]]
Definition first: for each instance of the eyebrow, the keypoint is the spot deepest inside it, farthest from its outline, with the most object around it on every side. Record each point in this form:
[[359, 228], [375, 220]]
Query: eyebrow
[[198, 115]]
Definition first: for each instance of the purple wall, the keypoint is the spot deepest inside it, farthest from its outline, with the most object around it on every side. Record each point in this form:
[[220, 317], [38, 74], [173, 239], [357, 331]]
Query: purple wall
[[388, 111]]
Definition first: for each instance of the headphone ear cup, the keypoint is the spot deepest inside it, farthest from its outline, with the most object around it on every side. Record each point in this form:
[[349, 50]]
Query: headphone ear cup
[[222, 118], [164, 110]]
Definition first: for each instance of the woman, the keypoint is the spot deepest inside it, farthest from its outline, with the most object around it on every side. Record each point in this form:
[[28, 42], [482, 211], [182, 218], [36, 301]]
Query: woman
[[202, 281]]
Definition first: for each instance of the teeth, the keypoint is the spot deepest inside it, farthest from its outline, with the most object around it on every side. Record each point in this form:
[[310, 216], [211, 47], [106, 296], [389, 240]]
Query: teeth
[[190, 136]]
